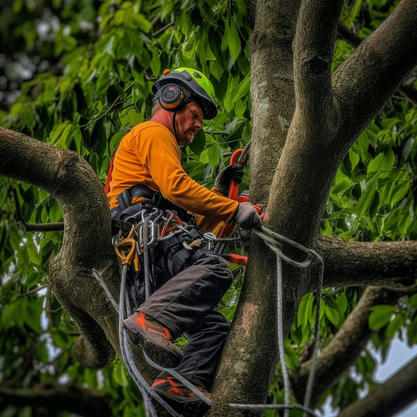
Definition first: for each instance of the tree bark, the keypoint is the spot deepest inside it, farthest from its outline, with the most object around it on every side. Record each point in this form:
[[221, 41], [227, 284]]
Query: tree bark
[[367, 263], [368, 78]]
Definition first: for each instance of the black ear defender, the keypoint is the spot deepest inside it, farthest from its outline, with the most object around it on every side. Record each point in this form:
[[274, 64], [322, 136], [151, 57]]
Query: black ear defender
[[170, 97]]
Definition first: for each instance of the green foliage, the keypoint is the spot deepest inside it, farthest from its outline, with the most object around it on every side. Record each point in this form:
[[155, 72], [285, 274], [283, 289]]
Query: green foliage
[[104, 57]]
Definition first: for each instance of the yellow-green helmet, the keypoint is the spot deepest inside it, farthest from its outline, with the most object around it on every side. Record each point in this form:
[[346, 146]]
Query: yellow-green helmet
[[197, 82]]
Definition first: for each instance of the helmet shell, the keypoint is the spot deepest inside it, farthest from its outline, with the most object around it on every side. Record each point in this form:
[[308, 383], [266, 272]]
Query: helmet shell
[[197, 82]]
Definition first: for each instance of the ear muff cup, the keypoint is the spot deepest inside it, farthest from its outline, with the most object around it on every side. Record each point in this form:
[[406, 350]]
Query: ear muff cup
[[170, 97]]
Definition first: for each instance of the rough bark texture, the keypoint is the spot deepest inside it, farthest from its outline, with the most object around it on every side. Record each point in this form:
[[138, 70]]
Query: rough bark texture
[[367, 263]]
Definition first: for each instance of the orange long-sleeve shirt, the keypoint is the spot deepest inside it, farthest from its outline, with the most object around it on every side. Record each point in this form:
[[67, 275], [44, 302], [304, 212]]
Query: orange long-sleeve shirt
[[149, 155]]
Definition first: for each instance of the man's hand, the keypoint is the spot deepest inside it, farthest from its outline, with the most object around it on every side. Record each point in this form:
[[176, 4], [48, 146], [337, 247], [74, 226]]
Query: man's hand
[[247, 216], [231, 172]]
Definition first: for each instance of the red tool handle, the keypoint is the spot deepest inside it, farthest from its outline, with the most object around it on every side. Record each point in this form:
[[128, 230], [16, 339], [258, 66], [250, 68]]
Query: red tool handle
[[234, 186], [236, 259]]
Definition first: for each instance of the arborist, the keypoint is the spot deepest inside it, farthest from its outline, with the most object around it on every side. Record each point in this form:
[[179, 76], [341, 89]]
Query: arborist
[[190, 281]]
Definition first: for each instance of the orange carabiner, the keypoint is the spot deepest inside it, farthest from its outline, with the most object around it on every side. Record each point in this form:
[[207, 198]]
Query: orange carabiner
[[124, 252]]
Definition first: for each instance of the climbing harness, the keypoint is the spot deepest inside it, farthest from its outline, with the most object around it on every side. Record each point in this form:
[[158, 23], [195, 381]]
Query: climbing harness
[[159, 222], [156, 225]]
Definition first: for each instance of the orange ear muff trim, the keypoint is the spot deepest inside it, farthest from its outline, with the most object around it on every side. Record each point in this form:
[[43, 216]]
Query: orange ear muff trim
[[171, 97]]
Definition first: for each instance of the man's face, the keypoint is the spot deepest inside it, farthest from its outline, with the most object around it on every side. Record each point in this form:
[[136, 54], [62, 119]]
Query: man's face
[[188, 122]]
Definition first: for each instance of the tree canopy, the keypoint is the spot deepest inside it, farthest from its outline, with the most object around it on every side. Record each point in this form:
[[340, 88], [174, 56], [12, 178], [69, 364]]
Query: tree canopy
[[326, 92]]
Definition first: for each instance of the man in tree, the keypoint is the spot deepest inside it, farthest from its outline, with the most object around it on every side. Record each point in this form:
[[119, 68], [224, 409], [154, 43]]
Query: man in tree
[[189, 282]]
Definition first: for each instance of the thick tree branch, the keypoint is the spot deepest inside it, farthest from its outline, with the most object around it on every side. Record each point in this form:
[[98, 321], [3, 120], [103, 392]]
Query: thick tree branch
[[389, 398], [367, 263], [313, 55], [305, 170], [59, 398], [272, 89], [345, 34], [336, 358], [86, 242], [366, 80]]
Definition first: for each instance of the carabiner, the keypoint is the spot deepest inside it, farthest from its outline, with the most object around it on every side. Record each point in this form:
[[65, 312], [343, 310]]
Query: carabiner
[[124, 252]]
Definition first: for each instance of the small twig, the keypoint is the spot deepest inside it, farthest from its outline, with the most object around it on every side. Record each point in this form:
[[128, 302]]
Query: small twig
[[35, 290], [163, 29], [155, 20], [33, 227]]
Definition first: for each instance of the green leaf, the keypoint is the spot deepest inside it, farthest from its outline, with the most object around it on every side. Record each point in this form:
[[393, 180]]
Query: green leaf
[[413, 301], [376, 163], [333, 315], [115, 140], [213, 155], [119, 375], [225, 39], [242, 89], [32, 250], [57, 132], [341, 186], [342, 302], [380, 316], [390, 122], [198, 143], [365, 202], [216, 69], [394, 326], [290, 355], [103, 82], [400, 191], [234, 41], [32, 315], [354, 158], [302, 315], [309, 309], [155, 63], [55, 212], [60, 339]]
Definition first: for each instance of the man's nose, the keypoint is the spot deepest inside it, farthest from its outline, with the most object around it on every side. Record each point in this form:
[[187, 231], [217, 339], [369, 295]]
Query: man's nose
[[198, 125]]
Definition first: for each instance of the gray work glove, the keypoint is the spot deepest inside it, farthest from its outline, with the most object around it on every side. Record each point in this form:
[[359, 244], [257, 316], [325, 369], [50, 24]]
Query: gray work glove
[[231, 172], [247, 216]]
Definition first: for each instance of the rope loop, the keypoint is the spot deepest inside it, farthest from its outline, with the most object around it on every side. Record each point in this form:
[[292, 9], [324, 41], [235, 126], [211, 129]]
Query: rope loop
[[274, 241]]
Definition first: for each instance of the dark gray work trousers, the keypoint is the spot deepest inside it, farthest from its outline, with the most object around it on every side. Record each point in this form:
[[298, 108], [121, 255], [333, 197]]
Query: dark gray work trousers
[[184, 299]]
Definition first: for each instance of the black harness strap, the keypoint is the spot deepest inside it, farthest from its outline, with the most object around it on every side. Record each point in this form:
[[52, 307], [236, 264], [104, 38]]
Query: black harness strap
[[139, 190]]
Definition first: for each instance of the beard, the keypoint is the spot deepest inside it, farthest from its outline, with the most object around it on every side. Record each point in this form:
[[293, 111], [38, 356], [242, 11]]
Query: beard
[[185, 138]]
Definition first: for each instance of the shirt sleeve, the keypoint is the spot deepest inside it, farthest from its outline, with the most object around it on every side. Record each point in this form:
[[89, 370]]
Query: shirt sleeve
[[159, 153]]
